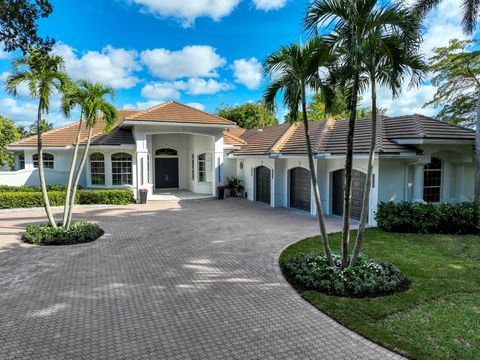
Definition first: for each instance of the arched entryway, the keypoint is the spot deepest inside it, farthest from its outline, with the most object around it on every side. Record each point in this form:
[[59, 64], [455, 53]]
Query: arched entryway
[[358, 187], [262, 185], [300, 189]]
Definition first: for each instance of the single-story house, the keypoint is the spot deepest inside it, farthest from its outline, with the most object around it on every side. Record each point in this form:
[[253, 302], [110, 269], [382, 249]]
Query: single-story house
[[174, 146]]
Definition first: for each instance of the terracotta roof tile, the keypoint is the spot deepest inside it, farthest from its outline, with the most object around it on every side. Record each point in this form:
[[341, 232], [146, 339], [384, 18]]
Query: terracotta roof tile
[[230, 139], [173, 111], [261, 141]]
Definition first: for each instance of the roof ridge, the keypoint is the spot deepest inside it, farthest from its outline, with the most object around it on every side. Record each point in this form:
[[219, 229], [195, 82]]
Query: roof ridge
[[204, 112], [152, 108], [19, 142], [234, 137], [419, 125], [287, 135], [325, 134], [443, 122]]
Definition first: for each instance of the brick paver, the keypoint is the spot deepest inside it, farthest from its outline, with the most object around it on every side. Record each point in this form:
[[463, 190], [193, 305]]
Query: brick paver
[[194, 280]]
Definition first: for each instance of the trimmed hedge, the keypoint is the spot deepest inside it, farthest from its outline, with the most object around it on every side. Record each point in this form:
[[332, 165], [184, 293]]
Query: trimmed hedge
[[79, 232], [427, 218], [11, 200], [32, 188]]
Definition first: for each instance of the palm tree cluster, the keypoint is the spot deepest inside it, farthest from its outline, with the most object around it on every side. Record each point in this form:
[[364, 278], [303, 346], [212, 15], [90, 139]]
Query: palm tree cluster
[[44, 75], [370, 43]]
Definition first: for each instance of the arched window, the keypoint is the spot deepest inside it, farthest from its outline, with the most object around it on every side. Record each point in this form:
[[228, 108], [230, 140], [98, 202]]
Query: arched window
[[205, 167], [48, 160], [21, 161], [122, 169], [97, 169], [432, 181], [165, 152]]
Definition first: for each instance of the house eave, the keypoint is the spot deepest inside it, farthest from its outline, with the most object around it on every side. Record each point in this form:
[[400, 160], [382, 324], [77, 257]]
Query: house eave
[[171, 123], [424, 141]]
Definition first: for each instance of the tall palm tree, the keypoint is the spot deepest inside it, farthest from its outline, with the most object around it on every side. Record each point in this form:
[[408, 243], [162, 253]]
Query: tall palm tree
[[94, 105], [353, 24], [43, 74], [297, 67]]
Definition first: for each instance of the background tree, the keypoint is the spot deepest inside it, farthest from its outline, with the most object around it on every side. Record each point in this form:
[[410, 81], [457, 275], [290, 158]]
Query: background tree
[[456, 75], [298, 69], [8, 134], [44, 125], [18, 24], [43, 74], [249, 115]]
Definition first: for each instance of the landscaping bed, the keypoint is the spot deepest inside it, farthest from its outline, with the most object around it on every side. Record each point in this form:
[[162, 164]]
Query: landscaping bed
[[437, 318], [79, 232]]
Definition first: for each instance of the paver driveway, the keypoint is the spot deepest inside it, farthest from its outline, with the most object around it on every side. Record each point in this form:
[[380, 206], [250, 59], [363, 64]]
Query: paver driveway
[[196, 280]]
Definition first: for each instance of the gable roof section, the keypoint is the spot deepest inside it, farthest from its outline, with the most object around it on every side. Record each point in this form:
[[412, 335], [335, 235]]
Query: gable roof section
[[261, 141], [175, 112], [230, 139], [66, 135]]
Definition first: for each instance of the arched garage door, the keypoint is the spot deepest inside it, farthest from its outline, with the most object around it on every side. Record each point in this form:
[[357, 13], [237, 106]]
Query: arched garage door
[[358, 186], [262, 186], [300, 188]]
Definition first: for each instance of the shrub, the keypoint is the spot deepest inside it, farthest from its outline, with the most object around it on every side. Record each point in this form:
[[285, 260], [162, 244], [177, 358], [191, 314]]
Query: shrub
[[10, 200], [367, 278], [32, 188], [79, 232], [234, 184], [427, 218]]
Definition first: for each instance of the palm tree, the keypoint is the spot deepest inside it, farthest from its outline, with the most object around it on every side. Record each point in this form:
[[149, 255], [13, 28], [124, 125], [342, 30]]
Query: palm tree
[[353, 24], [44, 74], [93, 105], [297, 67]]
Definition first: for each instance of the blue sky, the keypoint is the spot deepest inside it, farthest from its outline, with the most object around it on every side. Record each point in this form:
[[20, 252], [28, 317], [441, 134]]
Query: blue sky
[[203, 52]]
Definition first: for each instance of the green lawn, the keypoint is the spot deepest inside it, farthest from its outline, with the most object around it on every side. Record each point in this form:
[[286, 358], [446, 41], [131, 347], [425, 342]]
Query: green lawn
[[438, 318]]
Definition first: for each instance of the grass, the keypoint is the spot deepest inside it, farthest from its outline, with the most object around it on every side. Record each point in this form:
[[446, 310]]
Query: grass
[[438, 318]]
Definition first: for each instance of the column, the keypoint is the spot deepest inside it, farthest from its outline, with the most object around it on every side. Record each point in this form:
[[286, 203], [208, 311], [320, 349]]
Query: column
[[418, 183], [460, 183], [218, 162]]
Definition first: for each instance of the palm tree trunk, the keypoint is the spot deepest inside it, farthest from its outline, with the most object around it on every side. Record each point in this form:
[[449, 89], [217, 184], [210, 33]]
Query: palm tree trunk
[[41, 171], [477, 159], [347, 188], [77, 177], [368, 183], [71, 172], [318, 203]]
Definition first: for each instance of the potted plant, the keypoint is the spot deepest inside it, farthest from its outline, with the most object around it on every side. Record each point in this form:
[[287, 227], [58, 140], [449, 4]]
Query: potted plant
[[235, 186], [143, 196], [220, 192]]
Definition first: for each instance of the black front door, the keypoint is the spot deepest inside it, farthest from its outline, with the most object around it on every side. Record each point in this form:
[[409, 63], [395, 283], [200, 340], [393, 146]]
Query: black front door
[[262, 184], [300, 188], [358, 187], [166, 173]]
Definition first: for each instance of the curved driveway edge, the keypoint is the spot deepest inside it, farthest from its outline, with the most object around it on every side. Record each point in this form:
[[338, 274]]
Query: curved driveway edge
[[188, 280]]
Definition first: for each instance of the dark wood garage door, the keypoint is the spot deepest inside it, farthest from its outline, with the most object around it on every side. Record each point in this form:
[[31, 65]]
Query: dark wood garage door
[[300, 188], [358, 186], [262, 175]]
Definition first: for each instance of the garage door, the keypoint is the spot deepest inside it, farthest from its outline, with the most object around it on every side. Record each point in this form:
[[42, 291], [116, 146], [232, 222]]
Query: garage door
[[262, 176], [358, 186], [300, 188]]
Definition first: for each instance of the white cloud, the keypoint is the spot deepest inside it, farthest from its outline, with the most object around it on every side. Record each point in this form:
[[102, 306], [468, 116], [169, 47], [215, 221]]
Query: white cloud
[[171, 90], [191, 61], [197, 106], [141, 105], [188, 11], [111, 66], [269, 4], [248, 72]]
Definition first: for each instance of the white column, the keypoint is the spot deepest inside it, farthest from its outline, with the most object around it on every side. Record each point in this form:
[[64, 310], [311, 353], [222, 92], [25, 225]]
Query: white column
[[141, 162], [418, 182], [446, 182], [218, 162], [459, 182]]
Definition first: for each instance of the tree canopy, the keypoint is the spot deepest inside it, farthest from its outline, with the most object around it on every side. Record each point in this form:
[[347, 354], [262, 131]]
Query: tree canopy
[[8, 134], [456, 76], [249, 115], [18, 24]]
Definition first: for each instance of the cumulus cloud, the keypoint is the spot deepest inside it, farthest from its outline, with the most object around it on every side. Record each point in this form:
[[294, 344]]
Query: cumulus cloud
[[269, 4], [111, 66], [191, 61], [171, 90], [188, 11], [197, 105], [248, 72]]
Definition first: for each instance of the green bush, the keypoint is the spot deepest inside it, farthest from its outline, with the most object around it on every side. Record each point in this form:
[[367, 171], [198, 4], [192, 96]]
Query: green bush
[[32, 188], [235, 185], [10, 200], [367, 278], [79, 232], [427, 218]]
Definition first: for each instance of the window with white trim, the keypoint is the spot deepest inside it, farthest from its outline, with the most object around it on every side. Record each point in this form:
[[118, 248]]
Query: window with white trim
[[122, 169], [97, 169], [205, 167], [48, 160], [432, 181], [21, 161]]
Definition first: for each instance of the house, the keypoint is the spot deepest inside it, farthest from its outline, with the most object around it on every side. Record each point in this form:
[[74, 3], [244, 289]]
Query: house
[[172, 145]]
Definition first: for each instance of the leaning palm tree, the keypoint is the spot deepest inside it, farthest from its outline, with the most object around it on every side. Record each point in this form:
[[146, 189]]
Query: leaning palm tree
[[43, 74], [93, 106], [297, 67], [353, 22]]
